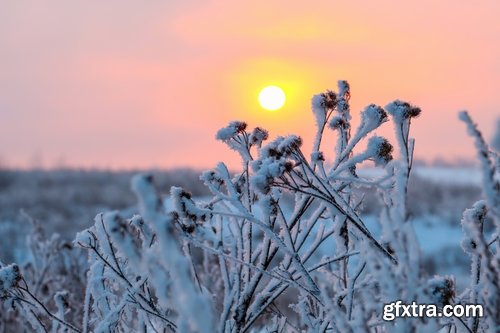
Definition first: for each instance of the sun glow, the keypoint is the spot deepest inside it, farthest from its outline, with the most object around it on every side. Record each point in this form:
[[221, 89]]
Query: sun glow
[[272, 98]]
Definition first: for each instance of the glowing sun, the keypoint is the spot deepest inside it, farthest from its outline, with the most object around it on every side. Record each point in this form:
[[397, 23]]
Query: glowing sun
[[272, 98]]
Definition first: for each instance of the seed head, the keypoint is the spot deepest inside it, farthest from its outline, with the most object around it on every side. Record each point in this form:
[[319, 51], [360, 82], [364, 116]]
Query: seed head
[[338, 122], [329, 100], [258, 135], [380, 149], [402, 110], [230, 131], [10, 276]]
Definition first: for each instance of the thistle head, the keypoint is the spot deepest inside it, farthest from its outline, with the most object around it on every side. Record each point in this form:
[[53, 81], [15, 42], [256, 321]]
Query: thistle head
[[231, 130], [257, 136], [400, 110], [380, 149], [338, 123], [373, 116]]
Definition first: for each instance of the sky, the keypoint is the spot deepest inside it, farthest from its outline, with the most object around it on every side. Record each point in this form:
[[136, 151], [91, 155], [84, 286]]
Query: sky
[[142, 84]]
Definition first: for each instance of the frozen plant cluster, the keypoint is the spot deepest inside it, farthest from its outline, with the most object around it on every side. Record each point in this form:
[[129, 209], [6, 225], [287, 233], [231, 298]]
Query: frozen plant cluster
[[279, 247]]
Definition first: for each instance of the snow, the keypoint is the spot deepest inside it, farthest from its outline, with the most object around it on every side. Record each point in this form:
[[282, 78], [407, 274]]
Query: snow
[[9, 277], [430, 231], [379, 149], [318, 108], [495, 141], [371, 118], [228, 132], [438, 174], [257, 136], [401, 110]]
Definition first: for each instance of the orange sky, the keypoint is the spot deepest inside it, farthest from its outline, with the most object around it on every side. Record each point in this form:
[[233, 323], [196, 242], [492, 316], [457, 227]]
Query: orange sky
[[126, 84]]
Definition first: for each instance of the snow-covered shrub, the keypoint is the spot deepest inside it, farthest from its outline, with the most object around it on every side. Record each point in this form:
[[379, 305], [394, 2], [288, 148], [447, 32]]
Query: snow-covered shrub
[[51, 280], [484, 252], [495, 142], [280, 246]]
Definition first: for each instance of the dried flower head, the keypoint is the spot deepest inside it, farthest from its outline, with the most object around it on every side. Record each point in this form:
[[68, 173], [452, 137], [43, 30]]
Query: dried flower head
[[322, 104], [338, 122], [61, 300], [413, 112], [281, 146], [117, 224], [317, 156], [257, 136], [187, 209], [380, 149], [211, 177], [10, 276], [402, 110], [261, 180], [231, 130], [373, 116], [442, 289], [275, 160], [288, 166], [329, 100], [290, 144], [472, 225]]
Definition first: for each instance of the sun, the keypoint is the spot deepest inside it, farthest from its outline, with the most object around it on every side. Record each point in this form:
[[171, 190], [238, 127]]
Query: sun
[[272, 98]]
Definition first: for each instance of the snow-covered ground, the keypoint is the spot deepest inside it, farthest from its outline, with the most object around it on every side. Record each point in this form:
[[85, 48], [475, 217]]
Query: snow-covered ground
[[456, 175], [438, 174], [66, 202]]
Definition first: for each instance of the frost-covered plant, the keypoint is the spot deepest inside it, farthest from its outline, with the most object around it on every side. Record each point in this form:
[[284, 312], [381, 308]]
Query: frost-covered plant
[[484, 252], [495, 142], [46, 291], [317, 258], [139, 276], [280, 246]]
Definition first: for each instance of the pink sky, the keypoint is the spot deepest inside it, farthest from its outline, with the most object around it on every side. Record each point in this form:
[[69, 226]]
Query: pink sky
[[125, 84]]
